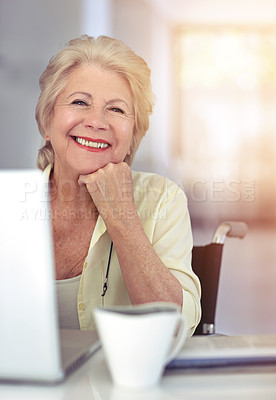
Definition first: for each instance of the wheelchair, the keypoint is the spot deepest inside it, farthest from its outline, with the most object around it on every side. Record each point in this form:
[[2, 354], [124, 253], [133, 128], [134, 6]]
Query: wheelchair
[[206, 263]]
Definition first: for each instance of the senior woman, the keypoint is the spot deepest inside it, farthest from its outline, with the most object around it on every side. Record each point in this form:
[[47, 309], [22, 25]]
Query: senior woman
[[120, 237]]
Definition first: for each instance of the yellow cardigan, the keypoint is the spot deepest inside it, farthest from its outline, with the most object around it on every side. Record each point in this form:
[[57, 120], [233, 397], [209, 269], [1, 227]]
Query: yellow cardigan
[[162, 207]]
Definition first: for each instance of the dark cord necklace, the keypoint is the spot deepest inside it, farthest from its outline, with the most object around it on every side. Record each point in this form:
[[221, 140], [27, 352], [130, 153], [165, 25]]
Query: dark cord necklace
[[107, 271]]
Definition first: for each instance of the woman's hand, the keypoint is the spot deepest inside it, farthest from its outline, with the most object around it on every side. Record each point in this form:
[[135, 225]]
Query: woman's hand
[[111, 190], [146, 277]]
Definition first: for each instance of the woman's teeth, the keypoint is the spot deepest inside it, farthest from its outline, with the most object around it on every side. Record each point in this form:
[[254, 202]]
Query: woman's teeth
[[88, 143]]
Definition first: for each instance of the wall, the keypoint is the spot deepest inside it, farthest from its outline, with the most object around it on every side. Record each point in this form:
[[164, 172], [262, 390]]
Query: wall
[[216, 11], [30, 31]]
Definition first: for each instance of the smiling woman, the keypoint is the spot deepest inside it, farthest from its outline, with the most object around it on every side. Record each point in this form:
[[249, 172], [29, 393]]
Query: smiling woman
[[93, 114], [120, 236]]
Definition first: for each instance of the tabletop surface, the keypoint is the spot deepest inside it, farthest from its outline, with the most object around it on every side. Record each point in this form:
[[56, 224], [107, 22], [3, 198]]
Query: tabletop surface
[[92, 381]]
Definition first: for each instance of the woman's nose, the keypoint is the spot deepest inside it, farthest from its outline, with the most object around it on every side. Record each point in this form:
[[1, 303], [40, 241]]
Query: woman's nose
[[95, 119]]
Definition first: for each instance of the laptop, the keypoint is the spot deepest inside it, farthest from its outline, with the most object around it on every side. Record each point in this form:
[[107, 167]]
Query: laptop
[[226, 351], [32, 347]]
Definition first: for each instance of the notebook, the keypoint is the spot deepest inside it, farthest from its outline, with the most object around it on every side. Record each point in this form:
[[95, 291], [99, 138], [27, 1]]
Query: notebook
[[32, 348], [223, 351]]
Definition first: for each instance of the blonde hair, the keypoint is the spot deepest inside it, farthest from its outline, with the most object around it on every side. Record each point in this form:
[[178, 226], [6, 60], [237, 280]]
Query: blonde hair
[[106, 53]]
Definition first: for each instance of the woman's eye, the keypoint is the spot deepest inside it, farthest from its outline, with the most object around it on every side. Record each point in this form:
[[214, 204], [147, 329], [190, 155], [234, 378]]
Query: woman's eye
[[117, 110], [79, 102]]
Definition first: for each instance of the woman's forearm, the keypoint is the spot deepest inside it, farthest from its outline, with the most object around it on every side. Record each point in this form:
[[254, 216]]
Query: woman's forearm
[[146, 277]]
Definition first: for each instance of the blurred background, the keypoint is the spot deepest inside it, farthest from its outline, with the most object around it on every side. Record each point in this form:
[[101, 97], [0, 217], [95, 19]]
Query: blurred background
[[213, 130]]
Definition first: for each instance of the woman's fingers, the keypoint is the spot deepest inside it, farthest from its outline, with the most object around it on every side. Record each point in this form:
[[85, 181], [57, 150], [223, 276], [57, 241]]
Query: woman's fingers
[[111, 188]]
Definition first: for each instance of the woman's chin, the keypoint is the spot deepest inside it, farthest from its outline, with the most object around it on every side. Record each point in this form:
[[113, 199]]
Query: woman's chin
[[89, 170]]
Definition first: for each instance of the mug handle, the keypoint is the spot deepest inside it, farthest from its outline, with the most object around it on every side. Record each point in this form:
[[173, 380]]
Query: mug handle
[[178, 341]]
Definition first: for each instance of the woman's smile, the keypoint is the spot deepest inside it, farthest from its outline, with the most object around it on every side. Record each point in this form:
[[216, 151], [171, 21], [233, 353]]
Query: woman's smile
[[94, 145]]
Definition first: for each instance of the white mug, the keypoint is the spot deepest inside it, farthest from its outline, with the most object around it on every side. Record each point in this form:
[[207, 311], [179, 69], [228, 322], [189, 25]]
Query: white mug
[[138, 341]]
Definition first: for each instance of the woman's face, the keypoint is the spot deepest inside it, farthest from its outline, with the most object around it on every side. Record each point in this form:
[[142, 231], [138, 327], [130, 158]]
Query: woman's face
[[92, 122]]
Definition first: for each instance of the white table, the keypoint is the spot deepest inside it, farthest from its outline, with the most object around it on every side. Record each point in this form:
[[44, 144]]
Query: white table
[[92, 382]]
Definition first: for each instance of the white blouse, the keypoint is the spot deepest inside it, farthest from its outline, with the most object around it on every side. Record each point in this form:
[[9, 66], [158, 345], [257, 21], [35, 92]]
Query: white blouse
[[67, 295]]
